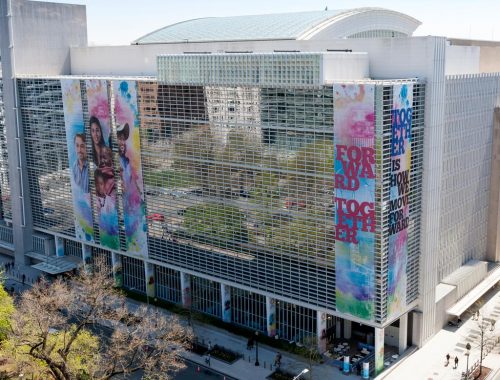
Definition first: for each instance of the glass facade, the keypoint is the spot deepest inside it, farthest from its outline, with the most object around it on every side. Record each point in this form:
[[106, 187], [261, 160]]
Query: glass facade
[[238, 186]]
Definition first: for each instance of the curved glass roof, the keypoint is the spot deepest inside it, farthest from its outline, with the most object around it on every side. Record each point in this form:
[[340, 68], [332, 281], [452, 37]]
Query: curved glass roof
[[238, 28]]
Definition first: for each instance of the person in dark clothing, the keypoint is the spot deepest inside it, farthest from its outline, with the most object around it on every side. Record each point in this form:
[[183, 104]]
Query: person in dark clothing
[[277, 360], [24, 278], [250, 343], [447, 359], [456, 361]]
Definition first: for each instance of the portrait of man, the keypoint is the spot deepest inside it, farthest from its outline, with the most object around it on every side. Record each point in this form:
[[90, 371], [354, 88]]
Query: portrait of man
[[128, 174], [122, 133], [81, 166]]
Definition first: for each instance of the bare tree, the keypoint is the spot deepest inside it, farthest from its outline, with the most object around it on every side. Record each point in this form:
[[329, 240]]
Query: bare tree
[[83, 329]]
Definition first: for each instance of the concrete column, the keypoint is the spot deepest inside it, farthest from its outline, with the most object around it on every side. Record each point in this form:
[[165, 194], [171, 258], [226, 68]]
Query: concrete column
[[226, 302], [434, 140], [186, 289], [347, 329], [379, 350], [321, 331], [403, 333], [87, 257], [150, 279], [271, 316], [338, 327], [493, 240], [59, 241], [116, 261], [22, 223], [416, 332]]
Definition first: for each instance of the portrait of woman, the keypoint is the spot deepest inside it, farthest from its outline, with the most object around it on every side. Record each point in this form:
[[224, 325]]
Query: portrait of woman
[[98, 143]]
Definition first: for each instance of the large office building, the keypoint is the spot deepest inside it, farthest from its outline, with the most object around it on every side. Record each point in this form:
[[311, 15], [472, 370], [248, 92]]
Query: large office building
[[306, 175]]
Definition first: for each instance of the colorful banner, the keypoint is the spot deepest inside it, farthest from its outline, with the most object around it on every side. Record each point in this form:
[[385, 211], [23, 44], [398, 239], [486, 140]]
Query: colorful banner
[[226, 303], [129, 149], [399, 208], [271, 316], [186, 290], [150, 276], [354, 129], [77, 157], [379, 350], [102, 156], [116, 261]]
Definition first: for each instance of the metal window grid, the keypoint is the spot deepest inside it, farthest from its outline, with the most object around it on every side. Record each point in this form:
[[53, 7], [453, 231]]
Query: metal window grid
[[206, 296], [168, 284], [248, 309], [134, 275]]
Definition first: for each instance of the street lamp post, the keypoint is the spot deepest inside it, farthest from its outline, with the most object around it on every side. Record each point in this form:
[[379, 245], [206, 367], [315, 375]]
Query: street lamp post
[[467, 347], [304, 371], [482, 344], [257, 349]]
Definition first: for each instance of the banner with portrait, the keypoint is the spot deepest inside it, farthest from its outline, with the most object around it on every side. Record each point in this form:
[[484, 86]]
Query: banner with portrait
[[77, 157], [354, 160], [399, 206], [129, 149], [102, 156]]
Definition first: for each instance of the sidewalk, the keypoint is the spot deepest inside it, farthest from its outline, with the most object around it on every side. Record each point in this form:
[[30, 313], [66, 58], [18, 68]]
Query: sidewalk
[[429, 362], [245, 369]]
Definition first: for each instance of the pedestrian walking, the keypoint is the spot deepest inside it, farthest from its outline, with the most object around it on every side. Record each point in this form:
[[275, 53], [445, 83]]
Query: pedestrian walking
[[277, 360], [209, 346], [250, 343], [207, 360], [24, 278], [447, 359], [456, 361]]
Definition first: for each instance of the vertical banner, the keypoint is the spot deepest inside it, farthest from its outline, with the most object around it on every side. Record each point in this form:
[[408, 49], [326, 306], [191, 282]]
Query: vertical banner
[[354, 129], [116, 261], [59, 242], [271, 316], [87, 257], [399, 208], [77, 158], [379, 350], [366, 370], [129, 149], [321, 330], [186, 290], [150, 278], [226, 302], [102, 156]]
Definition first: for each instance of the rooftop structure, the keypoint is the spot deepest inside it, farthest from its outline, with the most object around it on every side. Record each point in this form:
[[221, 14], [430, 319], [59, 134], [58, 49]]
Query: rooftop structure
[[327, 24]]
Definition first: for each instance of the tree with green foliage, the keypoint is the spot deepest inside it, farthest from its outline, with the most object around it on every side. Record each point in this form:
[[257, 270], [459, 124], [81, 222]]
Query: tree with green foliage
[[82, 329], [194, 152], [313, 166], [220, 223], [303, 237], [6, 311], [265, 195]]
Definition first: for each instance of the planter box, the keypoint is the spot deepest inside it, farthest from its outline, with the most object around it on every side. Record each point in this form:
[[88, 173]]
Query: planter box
[[224, 355]]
